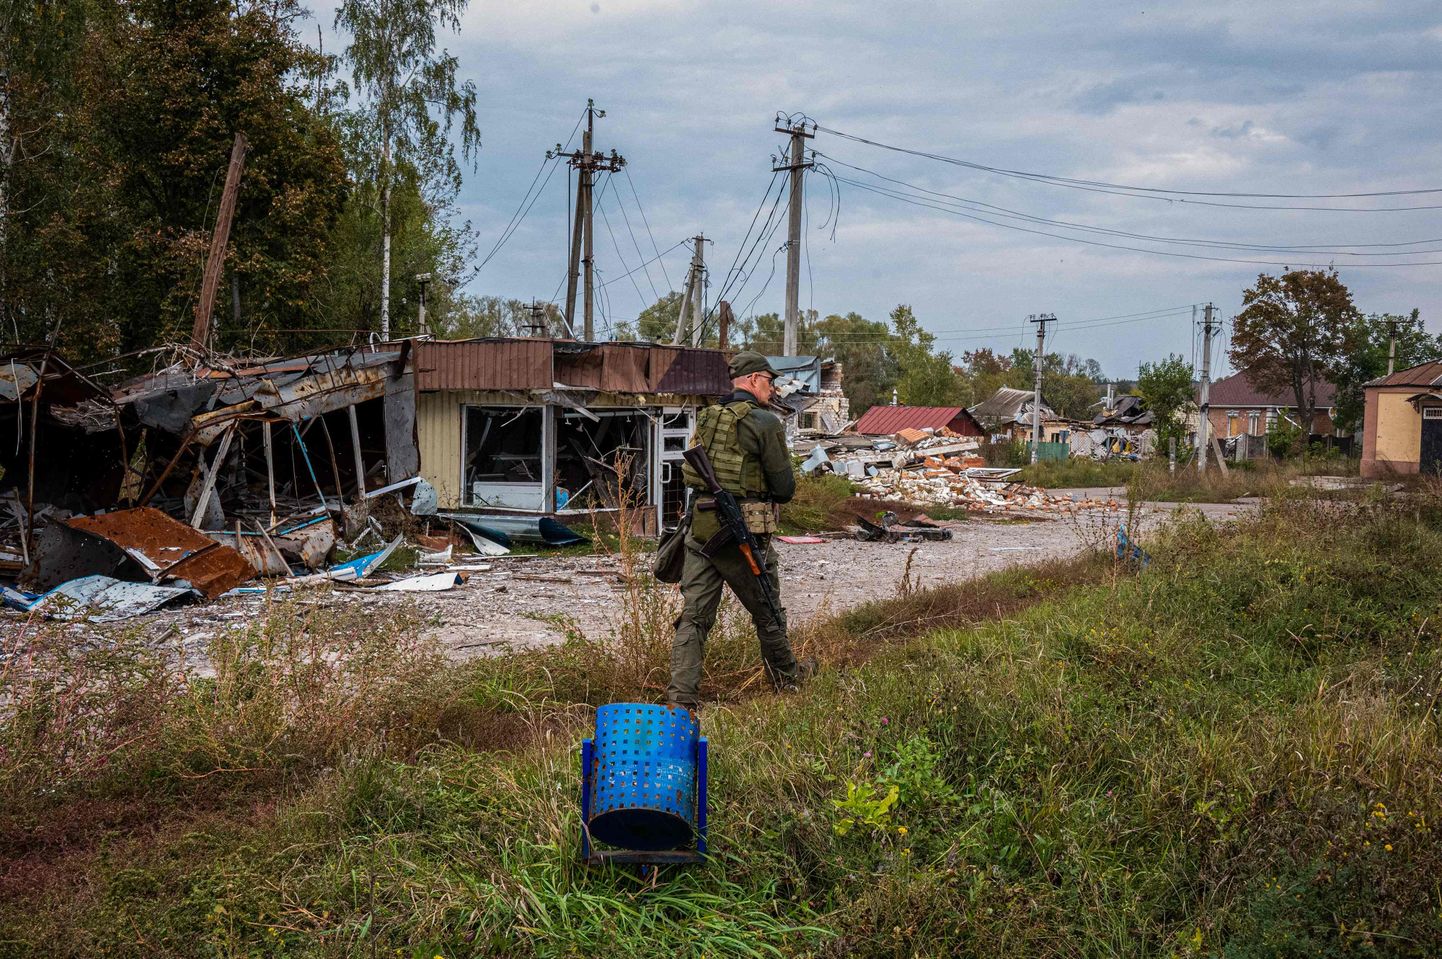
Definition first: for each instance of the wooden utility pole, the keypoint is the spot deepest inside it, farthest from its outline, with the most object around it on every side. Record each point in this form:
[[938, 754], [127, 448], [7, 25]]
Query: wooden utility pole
[[723, 324], [800, 130], [1204, 403], [215, 259], [587, 163], [1041, 320]]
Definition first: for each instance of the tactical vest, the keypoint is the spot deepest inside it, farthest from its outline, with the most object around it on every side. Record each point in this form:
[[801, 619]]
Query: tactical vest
[[738, 471]]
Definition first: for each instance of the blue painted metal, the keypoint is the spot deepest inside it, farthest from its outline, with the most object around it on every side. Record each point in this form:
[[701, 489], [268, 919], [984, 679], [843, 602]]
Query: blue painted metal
[[643, 787], [305, 454], [702, 752], [1129, 551], [588, 750]]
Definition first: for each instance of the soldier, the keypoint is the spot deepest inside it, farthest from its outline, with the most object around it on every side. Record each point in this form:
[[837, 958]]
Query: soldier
[[747, 446]]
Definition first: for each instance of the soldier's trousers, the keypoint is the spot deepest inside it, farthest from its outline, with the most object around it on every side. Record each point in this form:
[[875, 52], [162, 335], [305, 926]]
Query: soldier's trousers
[[701, 581]]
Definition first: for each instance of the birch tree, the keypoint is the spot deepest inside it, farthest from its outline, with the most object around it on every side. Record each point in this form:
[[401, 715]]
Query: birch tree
[[410, 96]]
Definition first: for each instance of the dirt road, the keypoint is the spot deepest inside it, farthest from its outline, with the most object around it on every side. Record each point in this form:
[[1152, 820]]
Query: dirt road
[[529, 601]]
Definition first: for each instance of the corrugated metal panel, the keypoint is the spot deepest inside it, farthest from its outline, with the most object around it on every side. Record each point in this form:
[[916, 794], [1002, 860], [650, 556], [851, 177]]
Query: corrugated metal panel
[[1425, 374], [522, 364], [626, 369], [438, 432], [885, 420], [690, 372]]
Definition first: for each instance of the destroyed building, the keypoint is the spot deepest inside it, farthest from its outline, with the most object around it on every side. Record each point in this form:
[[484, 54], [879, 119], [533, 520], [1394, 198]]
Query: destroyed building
[[1007, 415], [555, 426], [205, 472], [811, 389]]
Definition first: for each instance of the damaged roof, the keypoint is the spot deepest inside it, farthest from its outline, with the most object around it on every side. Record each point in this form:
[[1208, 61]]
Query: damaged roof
[[1423, 374], [544, 364], [1008, 405], [1129, 411], [206, 399]]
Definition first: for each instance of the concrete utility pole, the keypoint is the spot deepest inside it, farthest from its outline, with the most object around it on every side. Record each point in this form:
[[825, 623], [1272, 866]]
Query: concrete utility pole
[[1041, 320], [693, 299], [1391, 346], [1205, 402], [422, 280], [537, 326], [215, 259], [800, 129], [587, 164]]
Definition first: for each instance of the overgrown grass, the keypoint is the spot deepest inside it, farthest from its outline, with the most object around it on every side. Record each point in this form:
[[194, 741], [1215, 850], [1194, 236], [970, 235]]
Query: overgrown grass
[[1153, 481], [1077, 472], [1233, 752]]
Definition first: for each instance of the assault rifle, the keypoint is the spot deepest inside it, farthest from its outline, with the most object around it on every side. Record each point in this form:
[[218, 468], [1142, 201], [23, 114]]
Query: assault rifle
[[733, 527]]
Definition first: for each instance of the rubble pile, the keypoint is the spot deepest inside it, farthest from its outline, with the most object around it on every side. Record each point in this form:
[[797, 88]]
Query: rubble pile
[[926, 467], [221, 476]]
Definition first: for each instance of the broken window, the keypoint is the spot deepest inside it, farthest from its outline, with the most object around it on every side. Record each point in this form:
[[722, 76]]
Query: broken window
[[504, 456], [602, 455]]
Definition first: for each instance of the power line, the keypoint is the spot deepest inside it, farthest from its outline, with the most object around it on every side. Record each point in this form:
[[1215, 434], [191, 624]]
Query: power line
[[731, 270], [600, 208], [1315, 248], [652, 260], [621, 205], [522, 209], [632, 185], [1117, 246], [1152, 192]]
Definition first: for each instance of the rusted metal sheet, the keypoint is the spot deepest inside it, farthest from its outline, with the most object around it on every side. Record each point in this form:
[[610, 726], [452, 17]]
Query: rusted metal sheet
[[518, 364], [168, 549], [626, 368], [690, 372]]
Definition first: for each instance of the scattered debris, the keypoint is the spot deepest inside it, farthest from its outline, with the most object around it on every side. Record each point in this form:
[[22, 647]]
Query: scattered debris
[[801, 540], [432, 583], [928, 466], [910, 531], [101, 599]]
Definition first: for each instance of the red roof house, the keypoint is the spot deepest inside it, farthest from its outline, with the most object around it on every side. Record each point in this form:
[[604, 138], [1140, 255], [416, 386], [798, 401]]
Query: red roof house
[[888, 420]]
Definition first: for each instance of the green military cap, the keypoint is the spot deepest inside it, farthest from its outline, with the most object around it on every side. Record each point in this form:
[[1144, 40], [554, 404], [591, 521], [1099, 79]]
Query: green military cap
[[747, 362]]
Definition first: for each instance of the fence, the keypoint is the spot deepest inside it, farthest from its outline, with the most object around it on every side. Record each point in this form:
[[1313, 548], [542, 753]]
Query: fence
[[1049, 451]]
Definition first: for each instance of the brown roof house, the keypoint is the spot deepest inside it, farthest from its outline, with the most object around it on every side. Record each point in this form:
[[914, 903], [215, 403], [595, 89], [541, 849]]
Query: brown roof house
[[1402, 428], [1239, 406]]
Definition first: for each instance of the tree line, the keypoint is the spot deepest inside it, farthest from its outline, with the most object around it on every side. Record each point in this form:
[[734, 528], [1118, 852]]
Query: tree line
[[116, 121]]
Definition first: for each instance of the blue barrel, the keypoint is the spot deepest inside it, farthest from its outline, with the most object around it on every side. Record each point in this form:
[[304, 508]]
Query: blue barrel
[[643, 776]]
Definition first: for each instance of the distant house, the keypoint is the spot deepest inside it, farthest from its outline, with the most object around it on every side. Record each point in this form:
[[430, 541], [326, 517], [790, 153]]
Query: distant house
[[1008, 415], [888, 420], [1402, 428], [1239, 406]]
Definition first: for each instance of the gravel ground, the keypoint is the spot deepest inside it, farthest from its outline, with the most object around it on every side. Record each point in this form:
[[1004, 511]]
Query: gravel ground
[[530, 601]]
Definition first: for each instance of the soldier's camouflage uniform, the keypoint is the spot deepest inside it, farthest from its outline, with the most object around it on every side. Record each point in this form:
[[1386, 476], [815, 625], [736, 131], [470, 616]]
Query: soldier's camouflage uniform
[[747, 447]]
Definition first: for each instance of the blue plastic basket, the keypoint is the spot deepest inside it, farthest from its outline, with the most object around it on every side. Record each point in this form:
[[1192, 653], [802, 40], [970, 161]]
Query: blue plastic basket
[[641, 778]]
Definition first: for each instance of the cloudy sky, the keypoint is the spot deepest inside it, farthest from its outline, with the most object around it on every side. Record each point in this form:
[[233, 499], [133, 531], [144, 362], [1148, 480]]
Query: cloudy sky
[[1269, 97]]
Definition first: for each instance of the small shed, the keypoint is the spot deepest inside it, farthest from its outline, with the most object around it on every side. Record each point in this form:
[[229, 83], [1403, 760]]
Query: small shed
[[888, 420], [555, 426], [1402, 427]]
